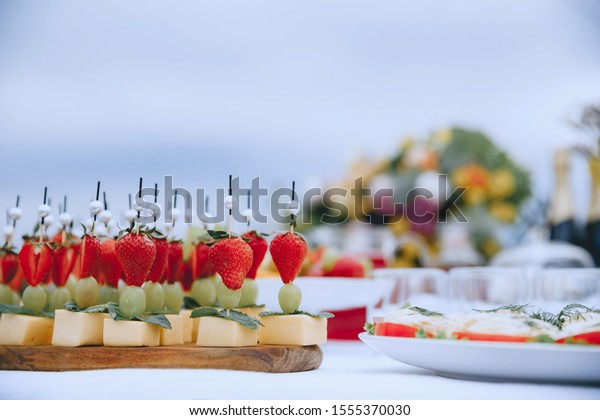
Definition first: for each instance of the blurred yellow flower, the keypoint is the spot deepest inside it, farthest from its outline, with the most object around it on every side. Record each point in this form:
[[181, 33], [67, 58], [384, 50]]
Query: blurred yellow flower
[[407, 142], [442, 136], [477, 181], [502, 184], [505, 212], [490, 248]]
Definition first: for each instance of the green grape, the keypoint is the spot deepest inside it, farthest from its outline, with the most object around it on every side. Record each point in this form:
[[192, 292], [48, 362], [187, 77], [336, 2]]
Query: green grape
[[216, 279], [204, 292], [121, 286], [108, 294], [34, 298], [249, 293], [228, 298], [6, 294], [87, 292], [16, 298], [58, 298], [155, 296], [173, 296], [71, 283], [132, 302], [48, 288], [289, 298]]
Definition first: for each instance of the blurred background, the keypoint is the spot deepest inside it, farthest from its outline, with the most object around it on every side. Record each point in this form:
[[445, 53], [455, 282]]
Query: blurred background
[[294, 90]]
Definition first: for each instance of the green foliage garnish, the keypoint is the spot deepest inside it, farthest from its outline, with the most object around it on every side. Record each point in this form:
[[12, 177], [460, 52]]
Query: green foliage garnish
[[22, 310], [97, 309], [325, 315], [548, 317], [369, 328], [424, 311], [231, 314], [252, 305], [544, 338], [421, 333]]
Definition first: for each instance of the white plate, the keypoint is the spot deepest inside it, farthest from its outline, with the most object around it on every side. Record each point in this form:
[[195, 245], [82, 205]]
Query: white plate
[[525, 362]]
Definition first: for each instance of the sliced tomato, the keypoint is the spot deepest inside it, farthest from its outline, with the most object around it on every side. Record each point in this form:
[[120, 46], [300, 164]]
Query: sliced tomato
[[391, 329], [592, 337], [466, 335]]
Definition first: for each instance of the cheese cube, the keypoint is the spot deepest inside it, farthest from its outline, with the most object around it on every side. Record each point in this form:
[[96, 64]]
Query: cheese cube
[[25, 330], [73, 329], [294, 330], [130, 333], [190, 326], [253, 312], [219, 332], [174, 336]]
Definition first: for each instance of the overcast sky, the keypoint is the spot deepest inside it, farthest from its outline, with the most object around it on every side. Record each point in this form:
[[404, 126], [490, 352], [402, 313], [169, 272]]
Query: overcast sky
[[283, 90]]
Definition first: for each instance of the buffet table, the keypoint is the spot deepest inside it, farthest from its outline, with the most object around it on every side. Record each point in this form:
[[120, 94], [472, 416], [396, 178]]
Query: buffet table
[[350, 370]]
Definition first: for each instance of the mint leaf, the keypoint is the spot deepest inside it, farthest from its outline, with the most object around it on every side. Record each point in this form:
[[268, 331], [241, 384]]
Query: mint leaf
[[190, 303], [97, 309], [232, 315], [22, 310], [369, 328], [252, 305], [160, 320], [156, 319], [325, 315]]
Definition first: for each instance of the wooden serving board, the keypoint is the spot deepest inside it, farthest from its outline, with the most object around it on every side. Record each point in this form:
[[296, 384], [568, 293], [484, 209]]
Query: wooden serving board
[[275, 359]]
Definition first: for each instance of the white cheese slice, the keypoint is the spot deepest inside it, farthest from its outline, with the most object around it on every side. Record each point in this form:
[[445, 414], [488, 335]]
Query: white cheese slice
[[296, 330], [219, 332], [73, 329], [25, 330], [130, 333], [190, 326], [174, 336]]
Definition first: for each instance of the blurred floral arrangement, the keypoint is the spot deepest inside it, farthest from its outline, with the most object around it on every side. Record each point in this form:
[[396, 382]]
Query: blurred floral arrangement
[[496, 187]]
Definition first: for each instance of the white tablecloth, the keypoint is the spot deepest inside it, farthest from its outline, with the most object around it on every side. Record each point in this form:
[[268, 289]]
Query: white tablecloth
[[350, 370]]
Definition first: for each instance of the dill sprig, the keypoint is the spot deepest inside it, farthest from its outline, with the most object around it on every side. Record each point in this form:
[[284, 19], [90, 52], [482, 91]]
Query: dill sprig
[[425, 312], [548, 317], [521, 309], [574, 311]]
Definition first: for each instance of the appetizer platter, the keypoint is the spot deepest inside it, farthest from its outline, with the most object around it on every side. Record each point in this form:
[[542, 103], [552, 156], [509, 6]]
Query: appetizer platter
[[509, 343], [101, 301]]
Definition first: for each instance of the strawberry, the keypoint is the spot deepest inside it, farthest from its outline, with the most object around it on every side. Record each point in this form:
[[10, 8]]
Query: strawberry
[[62, 265], [347, 267], [174, 261], [160, 261], [9, 265], [199, 262], [288, 251], [259, 247], [231, 258], [89, 256], [36, 261], [136, 253], [109, 263], [186, 278]]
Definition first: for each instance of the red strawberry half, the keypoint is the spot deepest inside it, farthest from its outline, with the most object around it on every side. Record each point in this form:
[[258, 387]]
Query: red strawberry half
[[89, 256], [288, 251], [200, 263], [231, 258], [136, 253], [36, 262], [109, 263], [9, 264], [174, 261], [62, 265], [259, 247], [160, 261]]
